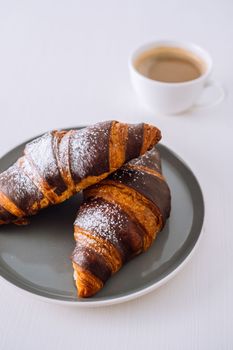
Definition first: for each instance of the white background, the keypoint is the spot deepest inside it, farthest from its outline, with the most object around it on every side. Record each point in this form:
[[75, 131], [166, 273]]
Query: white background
[[64, 63]]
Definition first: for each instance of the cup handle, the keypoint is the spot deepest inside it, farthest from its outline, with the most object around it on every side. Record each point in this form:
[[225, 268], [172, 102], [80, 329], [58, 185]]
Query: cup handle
[[221, 94]]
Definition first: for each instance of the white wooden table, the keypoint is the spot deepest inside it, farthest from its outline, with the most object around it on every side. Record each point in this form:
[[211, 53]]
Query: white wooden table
[[64, 63]]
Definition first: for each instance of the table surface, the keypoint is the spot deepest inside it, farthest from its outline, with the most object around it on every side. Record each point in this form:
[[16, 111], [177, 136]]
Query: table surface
[[64, 63]]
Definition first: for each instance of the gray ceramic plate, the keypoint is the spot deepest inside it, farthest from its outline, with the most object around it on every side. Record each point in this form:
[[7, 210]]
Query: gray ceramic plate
[[36, 258]]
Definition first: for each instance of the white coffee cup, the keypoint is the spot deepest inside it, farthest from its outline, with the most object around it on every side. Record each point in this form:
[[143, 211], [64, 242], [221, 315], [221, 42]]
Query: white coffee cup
[[173, 98]]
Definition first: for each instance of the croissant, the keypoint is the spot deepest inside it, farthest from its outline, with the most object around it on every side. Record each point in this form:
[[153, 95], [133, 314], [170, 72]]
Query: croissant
[[120, 218], [60, 163]]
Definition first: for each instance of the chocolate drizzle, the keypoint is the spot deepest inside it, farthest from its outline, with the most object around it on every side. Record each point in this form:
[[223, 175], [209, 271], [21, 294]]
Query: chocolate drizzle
[[19, 188], [56, 162], [6, 216], [129, 221], [134, 141], [88, 259], [110, 222], [89, 151], [151, 187], [150, 159], [41, 152]]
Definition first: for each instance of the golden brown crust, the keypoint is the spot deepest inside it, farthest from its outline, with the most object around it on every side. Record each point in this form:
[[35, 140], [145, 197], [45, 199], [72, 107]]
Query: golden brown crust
[[150, 138], [126, 211], [64, 136], [139, 208], [60, 163], [101, 246], [87, 284], [38, 181], [90, 180], [117, 145], [10, 206]]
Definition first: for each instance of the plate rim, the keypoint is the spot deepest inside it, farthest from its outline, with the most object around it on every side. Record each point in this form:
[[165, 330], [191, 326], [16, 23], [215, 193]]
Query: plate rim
[[130, 295]]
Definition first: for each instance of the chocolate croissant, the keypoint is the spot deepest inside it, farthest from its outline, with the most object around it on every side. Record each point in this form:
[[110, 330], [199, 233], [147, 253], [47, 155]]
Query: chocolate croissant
[[60, 163], [120, 218]]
